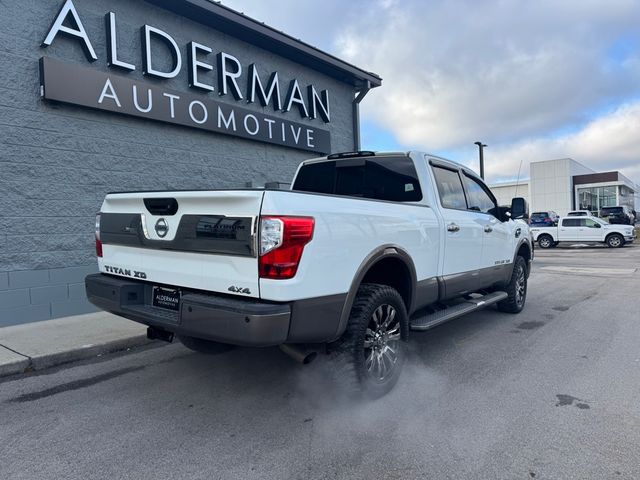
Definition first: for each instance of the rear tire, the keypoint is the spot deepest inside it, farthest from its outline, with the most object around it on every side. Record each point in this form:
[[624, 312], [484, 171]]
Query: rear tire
[[615, 240], [201, 345], [516, 289], [370, 354], [545, 241]]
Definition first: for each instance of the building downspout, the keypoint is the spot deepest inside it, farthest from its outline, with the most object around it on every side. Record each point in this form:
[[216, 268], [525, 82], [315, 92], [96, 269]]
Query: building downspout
[[356, 114]]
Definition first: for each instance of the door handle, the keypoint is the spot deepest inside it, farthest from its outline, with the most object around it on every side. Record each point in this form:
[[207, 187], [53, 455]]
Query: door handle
[[452, 227], [488, 229]]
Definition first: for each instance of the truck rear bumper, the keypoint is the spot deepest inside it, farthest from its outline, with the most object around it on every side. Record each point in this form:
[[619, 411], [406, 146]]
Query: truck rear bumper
[[220, 318]]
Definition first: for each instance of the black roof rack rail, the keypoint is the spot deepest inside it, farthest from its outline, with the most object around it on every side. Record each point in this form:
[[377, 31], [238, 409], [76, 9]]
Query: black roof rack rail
[[361, 153]]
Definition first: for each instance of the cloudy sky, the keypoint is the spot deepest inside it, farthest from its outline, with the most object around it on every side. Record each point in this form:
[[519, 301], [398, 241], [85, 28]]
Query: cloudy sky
[[534, 80]]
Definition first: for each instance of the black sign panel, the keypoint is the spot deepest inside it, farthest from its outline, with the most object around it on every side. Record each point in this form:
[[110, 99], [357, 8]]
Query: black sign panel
[[88, 87], [168, 298]]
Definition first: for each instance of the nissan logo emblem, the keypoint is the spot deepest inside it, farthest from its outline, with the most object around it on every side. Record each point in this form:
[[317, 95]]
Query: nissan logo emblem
[[162, 228]]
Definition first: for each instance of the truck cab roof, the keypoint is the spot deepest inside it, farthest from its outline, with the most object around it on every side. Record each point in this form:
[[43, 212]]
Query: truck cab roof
[[367, 153]]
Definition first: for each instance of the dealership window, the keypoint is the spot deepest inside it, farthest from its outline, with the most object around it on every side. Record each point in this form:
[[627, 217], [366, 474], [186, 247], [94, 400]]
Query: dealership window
[[625, 196], [594, 198]]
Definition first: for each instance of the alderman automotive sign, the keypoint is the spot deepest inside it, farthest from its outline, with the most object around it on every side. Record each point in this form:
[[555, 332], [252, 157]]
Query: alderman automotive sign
[[85, 86]]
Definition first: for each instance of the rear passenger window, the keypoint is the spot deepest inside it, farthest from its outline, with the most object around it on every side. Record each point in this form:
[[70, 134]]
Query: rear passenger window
[[379, 178], [316, 177], [450, 188], [571, 222], [477, 197]]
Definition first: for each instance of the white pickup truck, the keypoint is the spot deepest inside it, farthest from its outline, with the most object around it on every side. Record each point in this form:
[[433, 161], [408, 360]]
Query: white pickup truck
[[364, 248], [583, 229]]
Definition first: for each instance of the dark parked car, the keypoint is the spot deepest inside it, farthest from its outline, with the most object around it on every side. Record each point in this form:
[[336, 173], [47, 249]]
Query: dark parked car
[[620, 215], [544, 219]]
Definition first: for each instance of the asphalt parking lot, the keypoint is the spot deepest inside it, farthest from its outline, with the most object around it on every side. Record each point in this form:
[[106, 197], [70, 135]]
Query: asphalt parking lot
[[552, 393]]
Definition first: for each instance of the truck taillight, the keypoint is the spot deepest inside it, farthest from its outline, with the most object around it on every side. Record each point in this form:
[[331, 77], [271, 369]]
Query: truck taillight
[[282, 240], [98, 242]]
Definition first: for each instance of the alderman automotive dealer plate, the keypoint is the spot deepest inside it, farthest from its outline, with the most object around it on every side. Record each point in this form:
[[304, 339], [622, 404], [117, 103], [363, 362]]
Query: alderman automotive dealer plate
[[168, 298]]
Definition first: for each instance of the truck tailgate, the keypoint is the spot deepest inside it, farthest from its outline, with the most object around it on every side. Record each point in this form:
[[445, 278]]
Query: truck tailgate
[[195, 239]]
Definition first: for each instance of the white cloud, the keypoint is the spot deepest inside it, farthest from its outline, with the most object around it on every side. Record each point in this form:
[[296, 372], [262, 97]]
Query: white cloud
[[457, 71], [513, 73], [610, 142], [314, 22]]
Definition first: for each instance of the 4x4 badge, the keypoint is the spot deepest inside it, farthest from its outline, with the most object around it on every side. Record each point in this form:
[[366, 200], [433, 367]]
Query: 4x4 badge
[[235, 289]]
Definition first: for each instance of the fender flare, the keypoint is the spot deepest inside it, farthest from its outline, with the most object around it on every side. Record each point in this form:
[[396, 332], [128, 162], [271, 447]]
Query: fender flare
[[380, 253], [527, 242]]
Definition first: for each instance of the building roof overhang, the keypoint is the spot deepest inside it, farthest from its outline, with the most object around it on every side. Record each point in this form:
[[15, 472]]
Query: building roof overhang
[[238, 25]]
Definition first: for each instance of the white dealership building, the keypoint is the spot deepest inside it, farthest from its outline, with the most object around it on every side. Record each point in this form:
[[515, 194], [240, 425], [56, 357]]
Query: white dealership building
[[563, 184]]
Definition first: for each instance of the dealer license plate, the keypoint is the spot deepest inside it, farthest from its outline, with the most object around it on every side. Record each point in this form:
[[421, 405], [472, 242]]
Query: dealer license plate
[[168, 298]]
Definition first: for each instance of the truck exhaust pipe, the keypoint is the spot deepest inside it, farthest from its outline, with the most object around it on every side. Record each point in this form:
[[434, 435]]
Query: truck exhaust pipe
[[157, 334], [300, 353]]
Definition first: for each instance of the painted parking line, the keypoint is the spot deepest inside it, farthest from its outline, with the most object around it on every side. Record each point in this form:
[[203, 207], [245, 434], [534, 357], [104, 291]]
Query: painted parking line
[[590, 270]]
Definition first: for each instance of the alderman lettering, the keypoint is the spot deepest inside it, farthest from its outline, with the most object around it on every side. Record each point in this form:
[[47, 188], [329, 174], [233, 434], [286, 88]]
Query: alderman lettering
[[77, 85], [202, 69]]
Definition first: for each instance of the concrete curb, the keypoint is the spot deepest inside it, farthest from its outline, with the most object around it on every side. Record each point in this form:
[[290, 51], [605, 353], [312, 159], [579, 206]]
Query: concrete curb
[[10, 364], [41, 345], [42, 362], [87, 351]]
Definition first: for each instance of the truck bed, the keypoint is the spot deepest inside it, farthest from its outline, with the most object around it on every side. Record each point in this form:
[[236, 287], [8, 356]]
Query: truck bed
[[211, 239]]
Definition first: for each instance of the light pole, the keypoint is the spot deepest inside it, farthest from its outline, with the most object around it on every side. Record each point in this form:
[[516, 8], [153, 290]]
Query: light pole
[[481, 154]]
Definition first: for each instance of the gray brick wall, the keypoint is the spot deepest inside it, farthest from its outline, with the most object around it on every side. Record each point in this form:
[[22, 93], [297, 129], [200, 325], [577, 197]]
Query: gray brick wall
[[32, 295], [58, 161]]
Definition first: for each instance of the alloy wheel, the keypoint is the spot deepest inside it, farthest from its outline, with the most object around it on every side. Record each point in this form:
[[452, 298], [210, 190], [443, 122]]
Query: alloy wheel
[[545, 242], [382, 343], [614, 241], [521, 287]]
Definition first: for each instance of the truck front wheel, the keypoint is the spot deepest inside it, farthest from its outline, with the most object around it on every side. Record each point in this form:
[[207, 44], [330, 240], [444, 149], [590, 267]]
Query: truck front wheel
[[516, 289], [615, 240], [371, 353]]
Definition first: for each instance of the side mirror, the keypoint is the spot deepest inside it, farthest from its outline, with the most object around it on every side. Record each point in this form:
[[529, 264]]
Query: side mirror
[[597, 225], [519, 208]]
